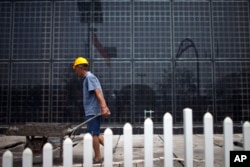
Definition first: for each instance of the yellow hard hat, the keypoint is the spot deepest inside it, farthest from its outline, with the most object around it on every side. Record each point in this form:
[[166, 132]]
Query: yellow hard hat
[[80, 60]]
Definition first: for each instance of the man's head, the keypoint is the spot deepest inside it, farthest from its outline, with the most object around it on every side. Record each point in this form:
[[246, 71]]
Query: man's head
[[81, 66]]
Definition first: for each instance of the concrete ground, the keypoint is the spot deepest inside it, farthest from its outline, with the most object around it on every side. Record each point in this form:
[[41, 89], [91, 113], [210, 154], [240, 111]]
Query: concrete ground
[[16, 144]]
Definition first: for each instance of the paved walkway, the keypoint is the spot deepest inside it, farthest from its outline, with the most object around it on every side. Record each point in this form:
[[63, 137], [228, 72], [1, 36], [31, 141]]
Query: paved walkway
[[17, 143]]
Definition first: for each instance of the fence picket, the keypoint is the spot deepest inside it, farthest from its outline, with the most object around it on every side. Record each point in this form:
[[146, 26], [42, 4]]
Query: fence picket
[[67, 153], [47, 155], [87, 150], [168, 140], [228, 139], [27, 158], [108, 147], [148, 143], [188, 137], [7, 159], [246, 135], [128, 147], [208, 140]]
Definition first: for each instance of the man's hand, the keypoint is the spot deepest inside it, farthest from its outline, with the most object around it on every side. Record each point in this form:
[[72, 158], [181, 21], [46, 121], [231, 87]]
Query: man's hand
[[105, 111]]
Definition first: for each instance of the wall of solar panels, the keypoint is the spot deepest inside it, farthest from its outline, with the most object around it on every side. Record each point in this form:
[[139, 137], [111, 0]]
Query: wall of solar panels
[[151, 56]]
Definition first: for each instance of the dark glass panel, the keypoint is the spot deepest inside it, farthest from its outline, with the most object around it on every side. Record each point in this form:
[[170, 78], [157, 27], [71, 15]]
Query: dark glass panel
[[232, 82], [30, 92], [32, 30]]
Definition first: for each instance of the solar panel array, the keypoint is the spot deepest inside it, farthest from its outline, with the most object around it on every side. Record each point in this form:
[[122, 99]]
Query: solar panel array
[[149, 55]]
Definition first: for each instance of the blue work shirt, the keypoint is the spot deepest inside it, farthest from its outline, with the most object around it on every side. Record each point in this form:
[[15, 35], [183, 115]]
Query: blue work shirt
[[90, 102]]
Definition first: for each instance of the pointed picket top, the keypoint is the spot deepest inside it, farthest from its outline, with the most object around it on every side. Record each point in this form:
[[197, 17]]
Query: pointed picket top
[[67, 141], [208, 115], [108, 131], [228, 120], [27, 151], [47, 146], [148, 121], [167, 116], [246, 124], [87, 136], [187, 110], [8, 154], [127, 126]]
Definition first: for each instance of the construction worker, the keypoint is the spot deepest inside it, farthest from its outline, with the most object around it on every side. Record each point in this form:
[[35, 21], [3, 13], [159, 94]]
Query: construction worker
[[93, 103]]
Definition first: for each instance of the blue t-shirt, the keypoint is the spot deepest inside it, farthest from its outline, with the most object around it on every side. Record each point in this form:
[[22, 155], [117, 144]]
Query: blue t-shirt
[[90, 102]]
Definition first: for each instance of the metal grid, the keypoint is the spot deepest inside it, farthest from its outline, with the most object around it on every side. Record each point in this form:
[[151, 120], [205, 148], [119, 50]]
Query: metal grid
[[71, 36], [5, 30], [30, 93], [166, 40], [152, 89], [111, 38], [66, 94], [232, 90], [192, 29], [116, 82], [4, 92], [32, 30], [231, 29], [152, 30], [193, 88]]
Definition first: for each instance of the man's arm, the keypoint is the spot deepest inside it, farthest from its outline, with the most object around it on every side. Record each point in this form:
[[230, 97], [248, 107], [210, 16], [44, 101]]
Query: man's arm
[[102, 103]]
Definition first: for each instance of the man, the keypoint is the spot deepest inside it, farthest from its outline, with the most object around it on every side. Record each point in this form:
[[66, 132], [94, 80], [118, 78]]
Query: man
[[93, 103]]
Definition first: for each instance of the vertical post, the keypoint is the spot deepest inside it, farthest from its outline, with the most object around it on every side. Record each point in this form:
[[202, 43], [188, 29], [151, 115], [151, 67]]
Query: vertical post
[[228, 139], [128, 148], [7, 159], [27, 158], [87, 153], [208, 139], [67, 153], [108, 147], [168, 140], [188, 137], [246, 135], [148, 143], [47, 155]]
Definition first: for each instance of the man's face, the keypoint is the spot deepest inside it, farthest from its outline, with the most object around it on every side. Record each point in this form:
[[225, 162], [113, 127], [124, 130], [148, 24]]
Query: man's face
[[78, 71]]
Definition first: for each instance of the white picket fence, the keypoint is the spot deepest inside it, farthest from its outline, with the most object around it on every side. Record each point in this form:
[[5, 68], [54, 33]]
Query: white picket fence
[[27, 160]]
